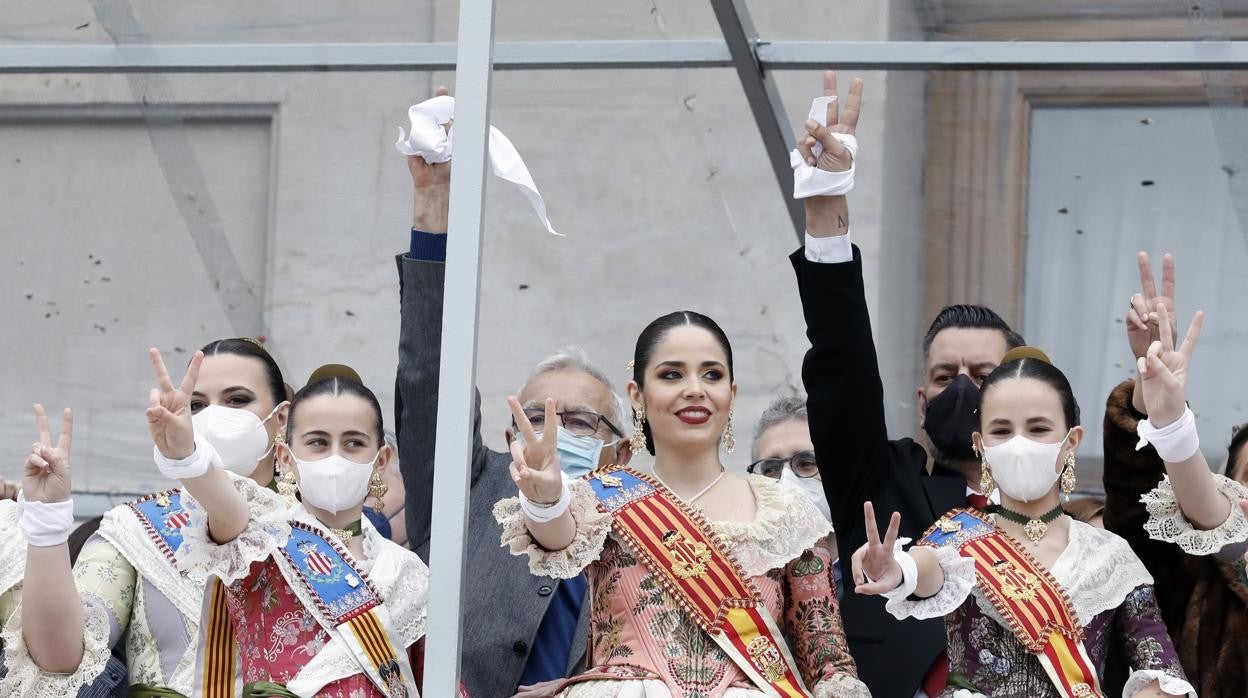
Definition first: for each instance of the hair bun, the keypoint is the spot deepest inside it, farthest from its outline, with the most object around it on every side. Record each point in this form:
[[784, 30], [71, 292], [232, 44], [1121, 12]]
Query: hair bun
[[335, 371], [1019, 353]]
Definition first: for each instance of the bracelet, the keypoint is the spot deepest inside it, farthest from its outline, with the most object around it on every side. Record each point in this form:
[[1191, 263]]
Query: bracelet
[[909, 572], [542, 512], [194, 465], [45, 524], [1175, 442]]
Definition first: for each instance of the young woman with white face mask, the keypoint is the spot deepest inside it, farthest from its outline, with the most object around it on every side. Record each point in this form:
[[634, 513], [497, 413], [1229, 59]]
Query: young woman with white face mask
[[663, 552], [1033, 600], [125, 582], [311, 598]]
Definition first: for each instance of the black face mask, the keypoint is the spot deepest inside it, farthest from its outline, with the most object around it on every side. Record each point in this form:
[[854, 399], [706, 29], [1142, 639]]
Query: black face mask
[[952, 417]]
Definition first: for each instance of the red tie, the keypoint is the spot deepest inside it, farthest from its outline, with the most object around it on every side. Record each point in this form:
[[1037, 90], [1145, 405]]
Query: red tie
[[977, 500], [938, 676]]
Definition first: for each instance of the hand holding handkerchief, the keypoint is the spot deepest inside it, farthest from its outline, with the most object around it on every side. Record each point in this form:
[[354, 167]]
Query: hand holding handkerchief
[[830, 142], [429, 139]]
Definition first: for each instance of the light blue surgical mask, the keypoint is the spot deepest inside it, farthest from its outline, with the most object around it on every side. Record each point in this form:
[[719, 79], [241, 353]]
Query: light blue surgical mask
[[578, 455]]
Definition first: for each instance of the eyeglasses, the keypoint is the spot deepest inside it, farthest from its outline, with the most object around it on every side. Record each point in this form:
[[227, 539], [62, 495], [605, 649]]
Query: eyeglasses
[[577, 422], [801, 463]]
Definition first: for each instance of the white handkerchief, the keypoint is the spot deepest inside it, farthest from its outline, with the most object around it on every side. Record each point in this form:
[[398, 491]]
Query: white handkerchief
[[811, 181], [428, 139]]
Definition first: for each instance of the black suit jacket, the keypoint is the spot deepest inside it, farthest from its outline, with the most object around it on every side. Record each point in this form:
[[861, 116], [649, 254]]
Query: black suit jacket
[[859, 463]]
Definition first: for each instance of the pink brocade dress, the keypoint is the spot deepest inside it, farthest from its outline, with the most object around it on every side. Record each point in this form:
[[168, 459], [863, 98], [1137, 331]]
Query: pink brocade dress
[[641, 641]]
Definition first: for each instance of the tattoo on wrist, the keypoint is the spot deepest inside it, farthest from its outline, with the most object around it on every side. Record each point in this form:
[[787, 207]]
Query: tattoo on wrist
[[840, 221]]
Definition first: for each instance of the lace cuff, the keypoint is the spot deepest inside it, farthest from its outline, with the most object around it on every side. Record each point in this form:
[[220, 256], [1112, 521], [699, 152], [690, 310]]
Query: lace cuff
[[959, 581], [1174, 685], [1167, 523], [592, 527], [267, 529], [841, 686], [27, 680]]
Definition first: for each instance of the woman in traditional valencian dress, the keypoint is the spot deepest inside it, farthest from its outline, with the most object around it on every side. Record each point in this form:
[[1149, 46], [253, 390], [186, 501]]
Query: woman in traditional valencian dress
[[125, 582], [304, 598], [1033, 600], [1187, 524], [697, 577]]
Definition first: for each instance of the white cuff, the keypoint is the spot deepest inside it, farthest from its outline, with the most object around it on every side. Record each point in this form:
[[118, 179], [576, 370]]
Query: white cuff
[[540, 514], [1141, 678], [811, 181], [834, 249], [909, 572], [194, 465], [45, 524], [1175, 442]]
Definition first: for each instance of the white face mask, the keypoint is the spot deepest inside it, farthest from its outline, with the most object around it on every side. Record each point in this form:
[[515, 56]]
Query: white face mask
[[812, 488], [334, 483], [237, 434], [1024, 469]]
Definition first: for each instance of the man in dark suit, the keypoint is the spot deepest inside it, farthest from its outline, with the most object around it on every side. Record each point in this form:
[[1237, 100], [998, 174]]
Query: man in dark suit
[[521, 632], [858, 461]]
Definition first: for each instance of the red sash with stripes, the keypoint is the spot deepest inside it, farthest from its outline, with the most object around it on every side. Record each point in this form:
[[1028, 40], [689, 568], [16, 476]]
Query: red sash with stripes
[[1033, 604], [695, 569]]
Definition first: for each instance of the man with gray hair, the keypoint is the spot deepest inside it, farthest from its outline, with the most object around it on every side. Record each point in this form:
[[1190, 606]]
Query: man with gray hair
[[523, 633], [784, 451]]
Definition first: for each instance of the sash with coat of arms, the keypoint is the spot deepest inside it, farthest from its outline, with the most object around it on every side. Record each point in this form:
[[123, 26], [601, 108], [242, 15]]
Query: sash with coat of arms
[[346, 604], [1034, 606], [695, 568]]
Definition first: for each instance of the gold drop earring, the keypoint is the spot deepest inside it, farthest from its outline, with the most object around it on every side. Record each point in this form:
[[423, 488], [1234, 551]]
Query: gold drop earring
[[377, 488], [1069, 478], [730, 441], [638, 442], [986, 483]]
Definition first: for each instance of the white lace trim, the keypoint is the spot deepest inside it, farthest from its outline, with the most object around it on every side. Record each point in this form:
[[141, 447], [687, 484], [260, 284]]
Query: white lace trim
[[959, 582], [27, 680], [842, 686], [12, 548], [1167, 523], [123, 528], [267, 529], [1141, 678], [641, 688], [787, 524], [1098, 570], [592, 527]]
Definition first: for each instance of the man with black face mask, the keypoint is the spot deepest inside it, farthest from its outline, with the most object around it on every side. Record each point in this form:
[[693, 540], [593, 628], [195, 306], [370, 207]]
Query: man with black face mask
[[857, 460]]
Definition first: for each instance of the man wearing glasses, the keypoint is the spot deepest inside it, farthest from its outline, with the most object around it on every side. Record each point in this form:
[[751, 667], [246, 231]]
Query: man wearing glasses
[[783, 451], [523, 633]]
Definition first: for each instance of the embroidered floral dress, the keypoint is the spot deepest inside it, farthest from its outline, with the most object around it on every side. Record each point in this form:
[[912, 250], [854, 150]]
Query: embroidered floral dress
[[278, 639], [1110, 592], [12, 563], [641, 642], [130, 589]]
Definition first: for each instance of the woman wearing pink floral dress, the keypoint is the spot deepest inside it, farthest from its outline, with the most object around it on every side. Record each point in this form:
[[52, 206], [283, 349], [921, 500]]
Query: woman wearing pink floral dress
[[644, 639]]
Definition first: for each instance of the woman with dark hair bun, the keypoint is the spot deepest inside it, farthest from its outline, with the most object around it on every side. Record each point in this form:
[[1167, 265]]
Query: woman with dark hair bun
[[1034, 602], [699, 579], [124, 582], [304, 596]]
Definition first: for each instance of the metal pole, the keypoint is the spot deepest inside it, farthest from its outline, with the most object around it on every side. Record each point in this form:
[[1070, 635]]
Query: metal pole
[[764, 100], [460, 309]]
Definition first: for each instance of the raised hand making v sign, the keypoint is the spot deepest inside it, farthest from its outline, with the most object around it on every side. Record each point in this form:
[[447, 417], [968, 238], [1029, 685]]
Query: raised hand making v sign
[[829, 215], [46, 478], [544, 494], [1171, 427], [169, 414]]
